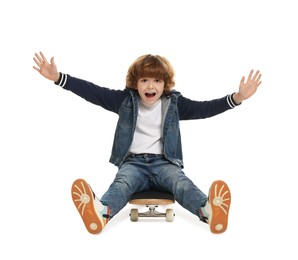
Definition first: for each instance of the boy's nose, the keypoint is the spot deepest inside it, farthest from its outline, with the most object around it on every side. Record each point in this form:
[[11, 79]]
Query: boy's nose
[[150, 84]]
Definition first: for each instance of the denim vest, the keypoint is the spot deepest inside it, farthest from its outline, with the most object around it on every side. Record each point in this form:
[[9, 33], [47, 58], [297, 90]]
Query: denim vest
[[128, 113]]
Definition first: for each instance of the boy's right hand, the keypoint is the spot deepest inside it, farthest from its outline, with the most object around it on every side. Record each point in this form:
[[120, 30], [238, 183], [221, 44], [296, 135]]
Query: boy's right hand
[[46, 69]]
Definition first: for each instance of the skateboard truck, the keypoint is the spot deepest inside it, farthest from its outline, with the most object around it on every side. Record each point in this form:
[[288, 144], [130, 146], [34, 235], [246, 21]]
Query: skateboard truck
[[152, 199]]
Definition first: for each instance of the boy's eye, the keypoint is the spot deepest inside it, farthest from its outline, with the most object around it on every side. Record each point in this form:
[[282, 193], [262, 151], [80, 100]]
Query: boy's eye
[[155, 80]]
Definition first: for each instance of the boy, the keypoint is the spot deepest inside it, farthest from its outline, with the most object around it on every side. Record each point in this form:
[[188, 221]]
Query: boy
[[147, 144]]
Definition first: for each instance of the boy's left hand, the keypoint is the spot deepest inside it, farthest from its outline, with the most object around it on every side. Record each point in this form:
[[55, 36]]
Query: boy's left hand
[[248, 88]]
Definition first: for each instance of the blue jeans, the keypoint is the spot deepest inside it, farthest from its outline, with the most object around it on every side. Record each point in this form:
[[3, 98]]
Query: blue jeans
[[148, 171]]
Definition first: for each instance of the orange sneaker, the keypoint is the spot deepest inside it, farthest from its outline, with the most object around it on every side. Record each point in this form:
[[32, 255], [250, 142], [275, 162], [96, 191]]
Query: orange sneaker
[[95, 215], [219, 199]]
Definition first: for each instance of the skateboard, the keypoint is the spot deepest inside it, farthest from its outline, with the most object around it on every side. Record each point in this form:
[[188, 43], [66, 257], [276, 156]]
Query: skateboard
[[152, 199]]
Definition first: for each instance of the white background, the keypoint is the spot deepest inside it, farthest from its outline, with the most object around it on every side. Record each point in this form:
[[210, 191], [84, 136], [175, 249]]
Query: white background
[[50, 137]]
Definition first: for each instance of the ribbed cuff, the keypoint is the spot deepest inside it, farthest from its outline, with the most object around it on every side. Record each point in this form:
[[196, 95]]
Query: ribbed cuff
[[62, 80], [231, 101]]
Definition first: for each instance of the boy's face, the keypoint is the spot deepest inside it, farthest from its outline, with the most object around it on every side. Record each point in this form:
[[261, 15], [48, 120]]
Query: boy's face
[[150, 89]]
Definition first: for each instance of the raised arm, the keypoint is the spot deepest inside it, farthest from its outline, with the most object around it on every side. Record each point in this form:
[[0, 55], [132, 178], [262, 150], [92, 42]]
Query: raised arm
[[46, 69], [248, 88]]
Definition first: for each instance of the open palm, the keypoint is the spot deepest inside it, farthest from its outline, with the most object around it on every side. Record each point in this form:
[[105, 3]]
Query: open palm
[[248, 88], [46, 69]]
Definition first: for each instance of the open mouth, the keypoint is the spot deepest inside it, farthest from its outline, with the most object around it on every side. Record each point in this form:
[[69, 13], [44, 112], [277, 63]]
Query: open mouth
[[150, 95]]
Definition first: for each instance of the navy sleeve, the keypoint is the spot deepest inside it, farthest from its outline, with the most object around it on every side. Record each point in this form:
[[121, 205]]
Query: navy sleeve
[[108, 99], [190, 109]]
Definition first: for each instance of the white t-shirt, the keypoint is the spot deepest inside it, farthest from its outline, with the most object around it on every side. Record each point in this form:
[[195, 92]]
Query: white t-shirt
[[147, 136]]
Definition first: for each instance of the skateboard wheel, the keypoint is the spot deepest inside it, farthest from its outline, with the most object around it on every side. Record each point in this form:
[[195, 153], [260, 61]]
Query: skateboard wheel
[[134, 215], [170, 215]]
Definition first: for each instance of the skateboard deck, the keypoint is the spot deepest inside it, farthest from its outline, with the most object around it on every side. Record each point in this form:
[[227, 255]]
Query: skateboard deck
[[152, 199]]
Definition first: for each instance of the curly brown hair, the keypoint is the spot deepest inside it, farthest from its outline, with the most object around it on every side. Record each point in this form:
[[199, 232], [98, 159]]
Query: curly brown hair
[[151, 66]]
